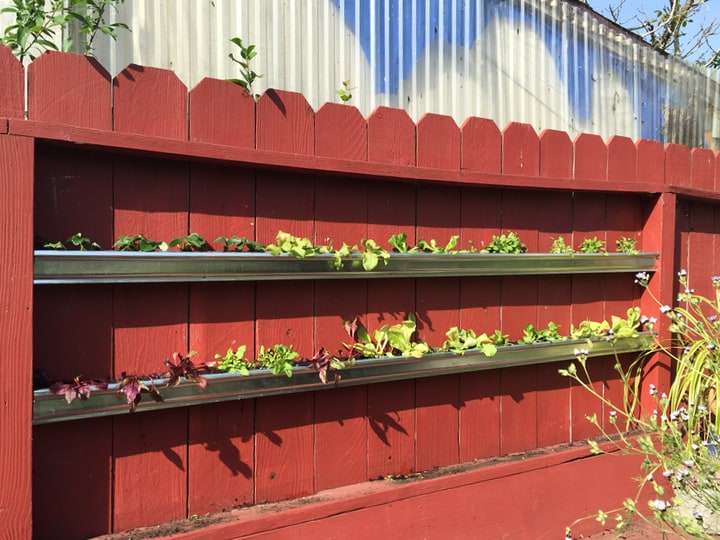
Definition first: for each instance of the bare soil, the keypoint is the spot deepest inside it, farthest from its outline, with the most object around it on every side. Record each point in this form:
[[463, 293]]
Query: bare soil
[[637, 530]]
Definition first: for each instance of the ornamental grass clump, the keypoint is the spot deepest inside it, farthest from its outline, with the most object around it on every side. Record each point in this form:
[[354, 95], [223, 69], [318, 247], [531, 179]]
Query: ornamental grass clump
[[677, 435]]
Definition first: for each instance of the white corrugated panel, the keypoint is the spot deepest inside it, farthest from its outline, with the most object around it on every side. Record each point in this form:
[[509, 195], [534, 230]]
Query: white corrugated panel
[[551, 63]]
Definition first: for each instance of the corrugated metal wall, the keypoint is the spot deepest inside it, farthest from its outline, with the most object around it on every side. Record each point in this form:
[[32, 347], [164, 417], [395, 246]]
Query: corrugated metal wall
[[552, 63]]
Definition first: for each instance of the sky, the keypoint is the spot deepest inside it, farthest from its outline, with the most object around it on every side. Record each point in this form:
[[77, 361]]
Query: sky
[[633, 8]]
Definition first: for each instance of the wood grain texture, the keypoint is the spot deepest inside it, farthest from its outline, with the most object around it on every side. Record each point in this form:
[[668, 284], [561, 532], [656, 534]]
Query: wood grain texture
[[481, 146], [69, 89], [12, 85], [521, 150], [391, 137], [222, 112], [150, 101], [221, 456], [16, 296], [553, 405], [622, 159], [518, 409], [591, 157], [285, 123], [340, 131], [284, 447], [650, 161], [556, 154], [479, 421], [677, 165], [79, 456], [436, 422], [149, 449]]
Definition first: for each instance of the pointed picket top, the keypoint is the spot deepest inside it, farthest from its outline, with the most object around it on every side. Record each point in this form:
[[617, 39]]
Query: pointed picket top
[[481, 146], [556, 154], [69, 89], [702, 170], [391, 137], [622, 159], [341, 132], [12, 85], [150, 101], [222, 112], [677, 165], [285, 122], [650, 161], [590, 157], [438, 142], [521, 150]]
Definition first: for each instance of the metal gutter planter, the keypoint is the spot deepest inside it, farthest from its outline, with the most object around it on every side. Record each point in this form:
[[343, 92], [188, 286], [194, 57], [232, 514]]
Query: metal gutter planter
[[67, 267], [48, 407]]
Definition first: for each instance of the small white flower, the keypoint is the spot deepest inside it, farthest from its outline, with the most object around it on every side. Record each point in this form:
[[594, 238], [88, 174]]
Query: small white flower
[[688, 463], [652, 320], [668, 473], [665, 309], [682, 273], [653, 389], [661, 505]]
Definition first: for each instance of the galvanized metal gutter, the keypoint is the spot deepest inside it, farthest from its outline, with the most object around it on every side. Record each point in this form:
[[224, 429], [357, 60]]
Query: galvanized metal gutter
[[66, 267], [48, 407]]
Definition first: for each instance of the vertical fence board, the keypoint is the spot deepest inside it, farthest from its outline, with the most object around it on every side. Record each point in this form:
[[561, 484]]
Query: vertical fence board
[[16, 296], [283, 447], [340, 423], [622, 159], [481, 146], [556, 154], [391, 137], [69, 89], [518, 409], [12, 85], [149, 449], [79, 457], [222, 112], [701, 255], [590, 157], [220, 456], [438, 142], [650, 161], [150, 101], [677, 165], [479, 425], [285, 122], [436, 422], [520, 150], [702, 175]]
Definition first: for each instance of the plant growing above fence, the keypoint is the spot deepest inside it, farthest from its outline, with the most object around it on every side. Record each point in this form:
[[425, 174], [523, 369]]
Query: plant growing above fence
[[247, 74]]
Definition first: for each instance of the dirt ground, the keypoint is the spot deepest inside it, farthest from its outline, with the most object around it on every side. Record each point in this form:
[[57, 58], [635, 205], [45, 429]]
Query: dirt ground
[[638, 530]]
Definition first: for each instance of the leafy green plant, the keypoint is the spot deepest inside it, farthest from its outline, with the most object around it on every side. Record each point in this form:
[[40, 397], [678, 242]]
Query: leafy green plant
[[235, 243], [533, 335], [399, 243], [292, 245], [499, 339], [559, 246], [37, 23], [139, 242], [626, 244], [234, 361], [433, 247], [389, 340], [460, 340], [592, 245], [191, 242], [505, 243], [345, 92], [279, 359], [83, 243], [372, 255], [247, 75]]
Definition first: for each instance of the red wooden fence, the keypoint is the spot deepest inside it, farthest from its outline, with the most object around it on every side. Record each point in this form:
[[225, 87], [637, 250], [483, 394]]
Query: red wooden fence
[[139, 154]]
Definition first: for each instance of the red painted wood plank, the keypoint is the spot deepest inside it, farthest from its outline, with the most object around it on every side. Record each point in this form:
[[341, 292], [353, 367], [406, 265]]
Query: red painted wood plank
[[341, 437], [702, 173], [150, 101], [624, 219], [69, 89], [701, 255], [556, 154], [622, 159], [521, 150], [481, 146], [284, 447], [149, 449], [73, 331], [518, 409], [391, 137], [285, 123], [585, 404], [222, 112], [436, 422], [12, 85], [78, 455], [677, 165], [553, 405], [74, 193], [479, 423], [591, 157], [16, 296], [438, 142], [340, 131], [221, 456], [391, 428], [650, 161]]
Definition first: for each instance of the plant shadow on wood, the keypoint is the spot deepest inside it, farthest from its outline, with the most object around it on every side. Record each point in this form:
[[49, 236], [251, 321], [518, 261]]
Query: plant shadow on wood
[[382, 423]]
